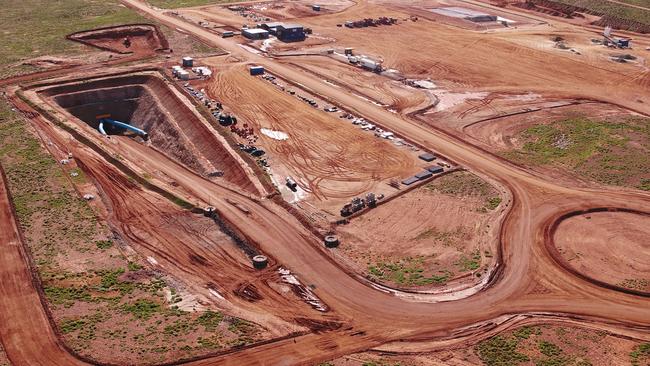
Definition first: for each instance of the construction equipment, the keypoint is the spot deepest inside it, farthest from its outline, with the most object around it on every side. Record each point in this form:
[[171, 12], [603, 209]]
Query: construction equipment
[[291, 184]]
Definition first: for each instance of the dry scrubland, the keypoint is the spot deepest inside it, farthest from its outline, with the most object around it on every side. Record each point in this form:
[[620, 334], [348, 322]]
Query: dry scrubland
[[107, 305], [172, 4], [614, 152], [35, 28], [427, 237], [539, 345]]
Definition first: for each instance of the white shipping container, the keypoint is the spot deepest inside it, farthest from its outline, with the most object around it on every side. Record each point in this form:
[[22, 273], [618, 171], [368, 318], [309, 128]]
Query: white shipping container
[[184, 75], [369, 64]]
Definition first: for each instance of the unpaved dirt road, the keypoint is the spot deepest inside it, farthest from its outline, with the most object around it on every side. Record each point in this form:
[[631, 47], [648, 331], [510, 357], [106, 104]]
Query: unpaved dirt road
[[530, 279]]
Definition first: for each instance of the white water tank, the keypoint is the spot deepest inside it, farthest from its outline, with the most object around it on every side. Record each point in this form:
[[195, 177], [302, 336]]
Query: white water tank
[[369, 64]]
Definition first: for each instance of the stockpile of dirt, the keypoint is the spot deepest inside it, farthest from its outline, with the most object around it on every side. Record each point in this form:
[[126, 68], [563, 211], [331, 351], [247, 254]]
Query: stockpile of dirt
[[144, 101], [144, 38]]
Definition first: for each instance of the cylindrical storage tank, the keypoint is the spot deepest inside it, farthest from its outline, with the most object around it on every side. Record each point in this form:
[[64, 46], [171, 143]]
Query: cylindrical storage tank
[[260, 261], [331, 241], [368, 63], [208, 211]]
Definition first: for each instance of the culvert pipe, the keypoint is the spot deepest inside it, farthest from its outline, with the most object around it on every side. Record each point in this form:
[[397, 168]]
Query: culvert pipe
[[122, 125]]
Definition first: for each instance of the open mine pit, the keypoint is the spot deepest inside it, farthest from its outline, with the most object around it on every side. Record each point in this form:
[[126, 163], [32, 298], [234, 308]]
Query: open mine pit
[[148, 103]]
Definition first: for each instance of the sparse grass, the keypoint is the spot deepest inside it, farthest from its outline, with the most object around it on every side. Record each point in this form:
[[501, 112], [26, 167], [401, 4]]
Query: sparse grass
[[615, 10], [493, 203], [173, 4], [32, 28], [408, 271], [500, 351], [132, 266], [640, 355], [58, 226], [472, 263], [526, 331], [544, 346], [142, 309], [446, 238], [607, 152], [210, 320], [635, 283], [460, 184], [104, 244]]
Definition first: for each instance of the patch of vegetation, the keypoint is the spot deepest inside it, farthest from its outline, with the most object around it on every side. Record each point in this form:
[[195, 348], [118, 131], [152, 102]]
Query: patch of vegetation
[[635, 284], [644, 184], [640, 355], [446, 238], [549, 349], [408, 271], [613, 10], [607, 152], [380, 363], [526, 331], [500, 351], [470, 263], [104, 244], [67, 296], [132, 266], [493, 203], [173, 4], [210, 320], [85, 327], [142, 309], [459, 184]]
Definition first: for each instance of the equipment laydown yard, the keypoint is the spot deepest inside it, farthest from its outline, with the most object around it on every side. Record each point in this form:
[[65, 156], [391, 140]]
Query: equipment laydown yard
[[416, 183]]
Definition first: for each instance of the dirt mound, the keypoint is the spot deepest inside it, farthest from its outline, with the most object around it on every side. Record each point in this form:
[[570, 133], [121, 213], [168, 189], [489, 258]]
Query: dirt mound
[[143, 38], [145, 102]]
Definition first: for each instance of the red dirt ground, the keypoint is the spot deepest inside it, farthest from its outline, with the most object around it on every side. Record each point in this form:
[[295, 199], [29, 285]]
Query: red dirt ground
[[145, 38], [613, 247]]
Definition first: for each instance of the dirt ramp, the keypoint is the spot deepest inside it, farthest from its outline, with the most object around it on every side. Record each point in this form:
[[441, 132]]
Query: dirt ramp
[[145, 101], [142, 38]]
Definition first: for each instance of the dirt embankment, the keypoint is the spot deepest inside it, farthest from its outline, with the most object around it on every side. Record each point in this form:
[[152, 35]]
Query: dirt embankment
[[147, 103], [143, 38]]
